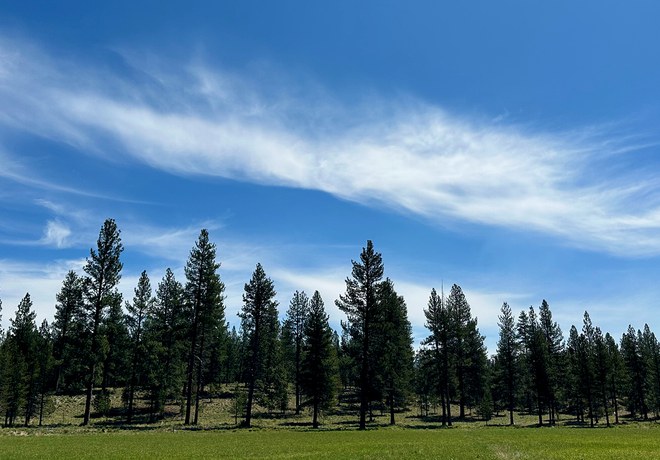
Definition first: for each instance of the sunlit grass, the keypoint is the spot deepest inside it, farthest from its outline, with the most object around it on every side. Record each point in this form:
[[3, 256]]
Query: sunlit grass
[[630, 442]]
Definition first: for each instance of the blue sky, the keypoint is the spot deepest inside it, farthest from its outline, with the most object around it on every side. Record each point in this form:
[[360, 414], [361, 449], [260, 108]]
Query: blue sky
[[509, 147]]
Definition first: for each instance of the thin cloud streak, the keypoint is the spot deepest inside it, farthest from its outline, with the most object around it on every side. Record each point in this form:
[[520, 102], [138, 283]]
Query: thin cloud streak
[[403, 154]]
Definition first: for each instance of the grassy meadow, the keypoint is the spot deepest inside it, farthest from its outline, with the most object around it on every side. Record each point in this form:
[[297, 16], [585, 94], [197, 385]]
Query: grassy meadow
[[291, 436], [391, 442]]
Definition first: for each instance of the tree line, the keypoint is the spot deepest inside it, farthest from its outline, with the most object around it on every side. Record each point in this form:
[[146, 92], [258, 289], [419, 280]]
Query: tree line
[[172, 347]]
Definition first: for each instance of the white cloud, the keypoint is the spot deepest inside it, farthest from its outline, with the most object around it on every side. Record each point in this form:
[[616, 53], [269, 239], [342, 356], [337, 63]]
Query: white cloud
[[403, 154], [42, 280], [56, 234]]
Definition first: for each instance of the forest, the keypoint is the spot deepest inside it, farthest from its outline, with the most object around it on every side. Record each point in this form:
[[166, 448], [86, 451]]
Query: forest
[[172, 347]]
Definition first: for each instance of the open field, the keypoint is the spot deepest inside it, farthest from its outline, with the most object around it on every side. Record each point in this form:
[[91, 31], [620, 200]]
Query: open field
[[290, 436], [630, 442]]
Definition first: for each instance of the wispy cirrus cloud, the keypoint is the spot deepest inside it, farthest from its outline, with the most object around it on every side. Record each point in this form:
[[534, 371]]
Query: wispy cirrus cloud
[[400, 153]]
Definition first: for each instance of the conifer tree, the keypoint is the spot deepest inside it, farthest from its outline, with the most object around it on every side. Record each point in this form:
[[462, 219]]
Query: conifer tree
[[46, 365], [636, 372], [165, 333], [319, 361], [360, 305], [116, 346], [586, 355], [103, 270], [507, 357], [615, 377], [602, 371], [574, 376], [650, 350], [439, 323], [69, 331], [536, 358], [24, 335], [393, 346], [205, 308], [137, 314], [260, 327], [554, 352], [294, 328], [466, 345]]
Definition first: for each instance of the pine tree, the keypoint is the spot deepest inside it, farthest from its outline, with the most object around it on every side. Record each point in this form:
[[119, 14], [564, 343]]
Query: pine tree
[[319, 361], [116, 347], [393, 345], [294, 328], [650, 350], [360, 305], [46, 365], [554, 348], [68, 332], [205, 305], [636, 373], [466, 345], [507, 357], [20, 379], [260, 327], [137, 314], [603, 369], [439, 323], [165, 333], [615, 378], [535, 345], [103, 270], [574, 376], [586, 355]]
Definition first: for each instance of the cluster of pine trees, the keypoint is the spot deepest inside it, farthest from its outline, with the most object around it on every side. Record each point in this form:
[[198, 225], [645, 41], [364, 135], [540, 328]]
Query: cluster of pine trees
[[172, 347]]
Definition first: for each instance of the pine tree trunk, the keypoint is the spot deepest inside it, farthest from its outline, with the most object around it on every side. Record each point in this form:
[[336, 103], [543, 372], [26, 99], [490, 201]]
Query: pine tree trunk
[[191, 369], [199, 378]]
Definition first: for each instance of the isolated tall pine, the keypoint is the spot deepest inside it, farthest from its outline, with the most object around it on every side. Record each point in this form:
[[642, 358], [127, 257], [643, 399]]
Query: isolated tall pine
[[260, 327], [319, 374], [103, 270], [360, 305], [205, 308]]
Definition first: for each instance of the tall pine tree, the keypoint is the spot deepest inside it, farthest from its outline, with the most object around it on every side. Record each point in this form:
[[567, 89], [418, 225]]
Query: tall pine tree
[[319, 362], [507, 358], [103, 270], [294, 329], [205, 307], [260, 327], [360, 305], [137, 314]]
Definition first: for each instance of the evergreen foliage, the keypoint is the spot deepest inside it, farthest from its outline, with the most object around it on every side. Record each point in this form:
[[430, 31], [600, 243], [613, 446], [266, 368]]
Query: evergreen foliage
[[360, 305], [168, 349], [205, 312], [103, 269], [260, 327], [319, 376]]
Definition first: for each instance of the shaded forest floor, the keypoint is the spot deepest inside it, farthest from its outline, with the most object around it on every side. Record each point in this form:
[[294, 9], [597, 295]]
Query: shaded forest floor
[[63, 414]]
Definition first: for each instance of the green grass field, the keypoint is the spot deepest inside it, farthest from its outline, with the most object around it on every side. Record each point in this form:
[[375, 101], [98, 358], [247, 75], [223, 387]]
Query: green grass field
[[630, 442], [290, 436]]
